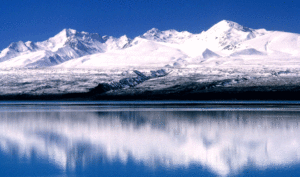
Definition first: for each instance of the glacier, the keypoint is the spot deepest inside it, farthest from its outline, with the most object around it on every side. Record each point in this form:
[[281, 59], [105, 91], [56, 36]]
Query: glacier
[[227, 57]]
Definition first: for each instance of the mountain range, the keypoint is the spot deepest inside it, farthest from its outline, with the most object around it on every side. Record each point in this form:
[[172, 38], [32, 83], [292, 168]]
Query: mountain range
[[228, 61], [225, 43]]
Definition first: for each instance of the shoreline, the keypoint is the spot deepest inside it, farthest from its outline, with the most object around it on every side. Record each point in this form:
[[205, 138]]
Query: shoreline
[[226, 95]]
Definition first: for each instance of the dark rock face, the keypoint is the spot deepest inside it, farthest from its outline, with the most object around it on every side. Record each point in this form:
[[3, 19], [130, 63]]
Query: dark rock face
[[101, 88], [208, 91], [128, 82]]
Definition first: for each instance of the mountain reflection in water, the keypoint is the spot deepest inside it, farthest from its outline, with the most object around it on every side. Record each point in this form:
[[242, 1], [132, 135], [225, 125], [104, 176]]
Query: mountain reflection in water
[[224, 142]]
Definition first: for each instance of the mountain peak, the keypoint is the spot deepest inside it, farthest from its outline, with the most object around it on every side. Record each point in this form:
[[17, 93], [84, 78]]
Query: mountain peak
[[70, 32], [226, 25], [67, 32], [18, 46], [154, 32], [230, 23]]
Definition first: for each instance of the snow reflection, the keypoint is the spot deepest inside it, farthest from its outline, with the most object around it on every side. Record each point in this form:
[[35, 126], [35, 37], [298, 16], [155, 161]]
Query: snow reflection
[[225, 142]]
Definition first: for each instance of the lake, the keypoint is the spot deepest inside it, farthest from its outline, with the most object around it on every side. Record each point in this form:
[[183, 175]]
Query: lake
[[143, 138]]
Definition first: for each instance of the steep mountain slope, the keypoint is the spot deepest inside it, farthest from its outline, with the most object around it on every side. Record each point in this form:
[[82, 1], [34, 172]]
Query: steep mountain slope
[[142, 53]]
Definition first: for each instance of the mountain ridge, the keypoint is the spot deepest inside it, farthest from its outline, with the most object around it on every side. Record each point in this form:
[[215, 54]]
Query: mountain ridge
[[225, 39]]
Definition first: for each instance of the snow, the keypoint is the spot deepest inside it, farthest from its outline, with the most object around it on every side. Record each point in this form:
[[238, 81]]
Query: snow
[[168, 36], [249, 51], [146, 53], [23, 60], [209, 54]]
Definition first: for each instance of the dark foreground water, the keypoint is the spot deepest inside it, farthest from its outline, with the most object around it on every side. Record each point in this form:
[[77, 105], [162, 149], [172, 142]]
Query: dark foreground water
[[149, 139]]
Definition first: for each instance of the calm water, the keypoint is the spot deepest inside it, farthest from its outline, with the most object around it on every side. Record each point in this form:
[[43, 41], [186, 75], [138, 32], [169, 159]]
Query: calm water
[[149, 139]]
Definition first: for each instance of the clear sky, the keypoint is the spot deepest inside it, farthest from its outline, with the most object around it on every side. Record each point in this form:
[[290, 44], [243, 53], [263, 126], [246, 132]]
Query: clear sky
[[37, 20]]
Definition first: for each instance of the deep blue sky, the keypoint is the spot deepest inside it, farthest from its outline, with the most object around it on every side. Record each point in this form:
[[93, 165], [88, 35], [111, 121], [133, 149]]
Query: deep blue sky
[[38, 20]]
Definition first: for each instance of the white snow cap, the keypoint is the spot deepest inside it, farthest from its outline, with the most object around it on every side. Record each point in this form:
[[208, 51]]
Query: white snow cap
[[227, 25]]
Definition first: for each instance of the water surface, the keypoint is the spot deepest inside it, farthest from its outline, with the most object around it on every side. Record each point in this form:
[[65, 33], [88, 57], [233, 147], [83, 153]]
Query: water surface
[[149, 139]]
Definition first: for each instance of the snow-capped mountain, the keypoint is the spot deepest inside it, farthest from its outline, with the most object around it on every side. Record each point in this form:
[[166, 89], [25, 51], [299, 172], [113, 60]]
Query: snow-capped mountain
[[224, 41], [66, 45]]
